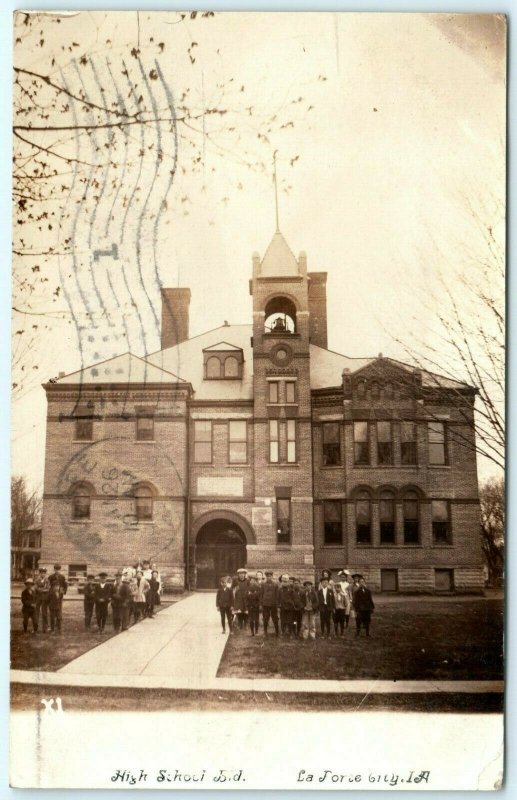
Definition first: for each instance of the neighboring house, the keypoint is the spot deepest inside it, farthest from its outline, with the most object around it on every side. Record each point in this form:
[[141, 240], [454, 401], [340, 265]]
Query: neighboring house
[[25, 556], [256, 445]]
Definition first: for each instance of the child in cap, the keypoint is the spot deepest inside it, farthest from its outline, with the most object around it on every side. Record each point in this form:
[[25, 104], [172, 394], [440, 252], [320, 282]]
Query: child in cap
[[29, 606], [224, 602], [310, 607]]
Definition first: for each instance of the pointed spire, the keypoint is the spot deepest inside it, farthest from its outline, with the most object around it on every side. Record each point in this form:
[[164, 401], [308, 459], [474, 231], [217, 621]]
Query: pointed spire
[[276, 190]]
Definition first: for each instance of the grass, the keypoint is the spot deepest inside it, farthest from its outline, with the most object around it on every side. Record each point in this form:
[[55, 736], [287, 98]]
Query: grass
[[49, 652], [416, 639]]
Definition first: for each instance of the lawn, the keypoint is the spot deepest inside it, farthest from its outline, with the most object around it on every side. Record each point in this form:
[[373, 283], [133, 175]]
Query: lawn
[[414, 639], [49, 652]]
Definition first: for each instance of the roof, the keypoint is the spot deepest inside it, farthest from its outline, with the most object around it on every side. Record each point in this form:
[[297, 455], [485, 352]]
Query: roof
[[186, 360], [126, 368], [279, 260]]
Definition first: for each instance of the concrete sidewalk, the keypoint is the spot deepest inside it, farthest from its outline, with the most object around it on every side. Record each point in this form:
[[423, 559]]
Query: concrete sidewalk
[[181, 643]]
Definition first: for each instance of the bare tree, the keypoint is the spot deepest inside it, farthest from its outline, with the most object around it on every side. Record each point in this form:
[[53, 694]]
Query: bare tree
[[103, 133], [25, 510], [458, 334], [492, 501]]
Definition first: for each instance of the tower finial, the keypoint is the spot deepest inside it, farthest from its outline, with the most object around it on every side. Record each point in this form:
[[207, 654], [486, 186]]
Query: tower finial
[[276, 190]]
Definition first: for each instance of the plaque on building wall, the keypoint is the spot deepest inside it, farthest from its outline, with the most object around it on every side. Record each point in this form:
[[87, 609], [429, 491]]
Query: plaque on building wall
[[232, 486], [261, 516]]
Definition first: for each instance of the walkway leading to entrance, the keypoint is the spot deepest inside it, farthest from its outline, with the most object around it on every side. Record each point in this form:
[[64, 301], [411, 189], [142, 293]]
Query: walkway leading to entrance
[[183, 642]]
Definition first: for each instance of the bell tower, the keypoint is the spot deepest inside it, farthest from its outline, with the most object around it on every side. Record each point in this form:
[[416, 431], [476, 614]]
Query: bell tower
[[282, 410]]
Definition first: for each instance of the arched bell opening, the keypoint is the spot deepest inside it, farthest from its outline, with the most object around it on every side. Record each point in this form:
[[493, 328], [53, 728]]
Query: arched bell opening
[[280, 316]]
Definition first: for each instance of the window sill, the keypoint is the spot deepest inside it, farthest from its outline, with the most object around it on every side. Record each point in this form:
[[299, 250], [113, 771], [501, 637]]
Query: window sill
[[447, 545], [283, 464], [332, 546], [144, 441], [80, 522], [240, 464], [439, 466], [331, 466]]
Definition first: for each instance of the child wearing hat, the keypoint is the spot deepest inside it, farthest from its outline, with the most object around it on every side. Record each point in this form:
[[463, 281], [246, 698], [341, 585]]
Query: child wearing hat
[[269, 597], [224, 602], [310, 607], [286, 603], [42, 589], [240, 594], [364, 607], [253, 604], [102, 599], [58, 587], [89, 600], [29, 606]]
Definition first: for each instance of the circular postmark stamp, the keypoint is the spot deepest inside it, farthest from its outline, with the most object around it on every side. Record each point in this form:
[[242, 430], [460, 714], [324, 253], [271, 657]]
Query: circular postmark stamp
[[119, 501]]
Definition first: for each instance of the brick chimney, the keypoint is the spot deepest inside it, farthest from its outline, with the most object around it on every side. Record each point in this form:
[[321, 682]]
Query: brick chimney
[[175, 306], [318, 308]]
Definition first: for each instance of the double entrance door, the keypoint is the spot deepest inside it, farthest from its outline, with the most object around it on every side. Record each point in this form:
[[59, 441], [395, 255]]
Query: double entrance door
[[220, 551]]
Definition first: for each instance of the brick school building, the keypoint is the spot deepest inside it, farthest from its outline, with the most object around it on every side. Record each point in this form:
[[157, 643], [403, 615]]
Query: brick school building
[[256, 445]]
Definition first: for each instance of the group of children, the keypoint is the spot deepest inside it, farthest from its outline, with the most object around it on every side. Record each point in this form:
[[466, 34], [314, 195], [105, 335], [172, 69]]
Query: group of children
[[132, 595], [293, 606]]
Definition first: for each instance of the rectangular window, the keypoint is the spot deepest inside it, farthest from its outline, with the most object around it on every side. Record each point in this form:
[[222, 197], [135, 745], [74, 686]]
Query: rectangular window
[[389, 580], [436, 432], [408, 444], [273, 391], [331, 444], [283, 520], [444, 580], [363, 524], [290, 392], [440, 519], [387, 520], [333, 532], [84, 429], [361, 443], [384, 443], [291, 441], [145, 428], [273, 441], [203, 442], [411, 526], [238, 442]]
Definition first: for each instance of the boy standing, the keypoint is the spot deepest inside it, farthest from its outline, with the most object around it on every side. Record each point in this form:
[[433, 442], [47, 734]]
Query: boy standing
[[326, 605], [310, 606], [29, 606], [298, 599], [89, 600], [120, 599], [363, 605], [42, 589], [224, 602], [253, 604], [286, 603], [102, 598], [269, 595]]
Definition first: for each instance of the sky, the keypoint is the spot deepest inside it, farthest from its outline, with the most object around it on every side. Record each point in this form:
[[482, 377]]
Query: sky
[[389, 131]]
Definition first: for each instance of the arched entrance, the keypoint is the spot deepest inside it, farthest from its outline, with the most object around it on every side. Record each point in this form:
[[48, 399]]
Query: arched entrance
[[220, 550]]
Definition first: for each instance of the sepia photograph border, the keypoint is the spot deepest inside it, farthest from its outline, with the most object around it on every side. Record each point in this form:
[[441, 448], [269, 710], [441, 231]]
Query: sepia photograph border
[[510, 781]]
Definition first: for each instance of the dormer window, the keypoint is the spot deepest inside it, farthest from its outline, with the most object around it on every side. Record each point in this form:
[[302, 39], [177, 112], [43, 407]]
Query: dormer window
[[223, 361]]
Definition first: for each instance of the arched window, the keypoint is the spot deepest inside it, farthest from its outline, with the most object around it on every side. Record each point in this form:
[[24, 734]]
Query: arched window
[[81, 501], [363, 518], [387, 517], [411, 518], [213, 367], [231, 367], [361, 389], [143, 503], [376, 390]]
